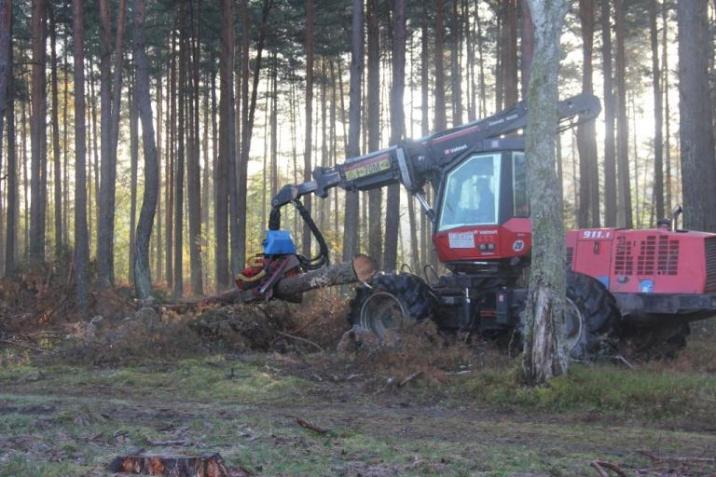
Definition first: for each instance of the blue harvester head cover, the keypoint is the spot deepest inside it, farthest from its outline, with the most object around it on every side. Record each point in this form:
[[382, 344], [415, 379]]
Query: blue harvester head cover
[[279, 242]]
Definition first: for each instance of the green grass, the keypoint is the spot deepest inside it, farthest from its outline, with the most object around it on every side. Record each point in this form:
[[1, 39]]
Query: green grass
[[208, 379], [644, 392]]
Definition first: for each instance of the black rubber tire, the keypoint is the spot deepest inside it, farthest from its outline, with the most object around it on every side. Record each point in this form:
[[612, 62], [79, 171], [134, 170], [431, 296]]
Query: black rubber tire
[[414, 295], [599, 337]]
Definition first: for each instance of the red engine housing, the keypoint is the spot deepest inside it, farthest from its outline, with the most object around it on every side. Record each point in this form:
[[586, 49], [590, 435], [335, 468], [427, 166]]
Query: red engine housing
[[654, 261]]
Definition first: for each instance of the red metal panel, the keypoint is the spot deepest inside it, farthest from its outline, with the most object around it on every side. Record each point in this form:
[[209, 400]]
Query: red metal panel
[[484, 242]]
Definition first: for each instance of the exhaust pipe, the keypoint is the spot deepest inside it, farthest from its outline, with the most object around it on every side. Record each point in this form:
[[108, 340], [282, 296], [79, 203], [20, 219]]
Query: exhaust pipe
[[678, 210]]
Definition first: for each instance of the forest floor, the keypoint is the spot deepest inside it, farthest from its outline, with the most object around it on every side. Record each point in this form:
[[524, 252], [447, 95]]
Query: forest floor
[[280, 400]]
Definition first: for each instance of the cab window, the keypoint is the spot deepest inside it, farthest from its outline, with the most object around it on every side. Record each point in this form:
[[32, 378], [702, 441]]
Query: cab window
[[471, 192]]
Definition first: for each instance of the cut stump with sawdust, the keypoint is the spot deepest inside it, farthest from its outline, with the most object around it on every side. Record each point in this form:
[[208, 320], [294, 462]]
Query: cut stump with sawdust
[[210, 465]]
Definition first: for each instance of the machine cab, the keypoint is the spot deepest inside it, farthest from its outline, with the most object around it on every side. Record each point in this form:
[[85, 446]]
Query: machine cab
[[483, 208]]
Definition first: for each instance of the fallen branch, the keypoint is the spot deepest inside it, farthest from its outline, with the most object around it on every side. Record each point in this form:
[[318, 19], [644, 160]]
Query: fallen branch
[[308, 425], [182, 442], [412, 377], [600, 466], [302, 340], [21, 345]]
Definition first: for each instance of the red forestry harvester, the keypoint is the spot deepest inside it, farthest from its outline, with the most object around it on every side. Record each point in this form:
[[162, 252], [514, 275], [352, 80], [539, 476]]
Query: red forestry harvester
[[647, 284]]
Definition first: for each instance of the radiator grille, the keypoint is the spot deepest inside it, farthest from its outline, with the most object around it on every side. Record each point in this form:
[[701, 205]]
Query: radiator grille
[[711, 264], [667, 256], [647, 253], [570, 257], [623, 262]]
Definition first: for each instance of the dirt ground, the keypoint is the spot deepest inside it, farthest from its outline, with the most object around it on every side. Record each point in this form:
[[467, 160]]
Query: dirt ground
[[281, 401]]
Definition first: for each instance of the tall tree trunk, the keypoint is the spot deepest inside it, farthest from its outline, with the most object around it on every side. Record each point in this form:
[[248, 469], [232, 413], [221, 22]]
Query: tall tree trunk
[[238, 208], [658, 112], [110, 92], [56, 159], [171, 155], [667, 105], [624, 212], [81, 255], [309, 48], [440, 120], [193, 166], [37, 126], [509, 52], [133, 162], [483, 88], [7, 109], [226, 145], [542, 358], [610, 175], [527, 46], [375, 197], [142, 271], [350, 228], [158, 239], [181, 151], [397, 125], [455, 67], [274, 124], [696, 117], [588, 215]]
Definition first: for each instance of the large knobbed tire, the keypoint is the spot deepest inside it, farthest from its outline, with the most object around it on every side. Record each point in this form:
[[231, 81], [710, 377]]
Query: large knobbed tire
[[391, 301], [591, 320]]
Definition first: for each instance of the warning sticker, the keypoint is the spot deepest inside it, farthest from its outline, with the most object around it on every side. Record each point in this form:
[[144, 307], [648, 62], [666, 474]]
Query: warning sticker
[[461, 240]]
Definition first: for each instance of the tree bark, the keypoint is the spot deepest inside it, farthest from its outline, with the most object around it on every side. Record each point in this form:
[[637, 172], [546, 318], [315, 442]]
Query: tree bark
[[309, 48], [56, 158], [226, 146], [238, 239], [610, 177], [698, 169], [133, 162], [440, 121], [37, 126], [7, 109], [624, 212], [350, 228], [527, 46], [110, 93], [588, 215], [193, 160], [658, 113], [397, 125], [181, 152], [455, 67], [142, 269], [375, 197], [667, 105], [542, 359], [81, 255]]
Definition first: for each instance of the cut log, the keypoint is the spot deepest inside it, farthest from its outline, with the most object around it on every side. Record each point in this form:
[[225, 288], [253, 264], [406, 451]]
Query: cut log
[[360, 269]]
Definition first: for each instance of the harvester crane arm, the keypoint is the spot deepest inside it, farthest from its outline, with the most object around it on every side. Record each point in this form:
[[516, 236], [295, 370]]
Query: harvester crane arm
[[413, 163]]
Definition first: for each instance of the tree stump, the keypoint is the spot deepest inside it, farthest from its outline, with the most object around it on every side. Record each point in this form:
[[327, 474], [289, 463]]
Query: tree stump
[[210, 465]]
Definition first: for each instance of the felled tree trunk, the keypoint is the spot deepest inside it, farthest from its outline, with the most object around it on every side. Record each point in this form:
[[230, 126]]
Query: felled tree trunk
[[542, 359], [361, 268]]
